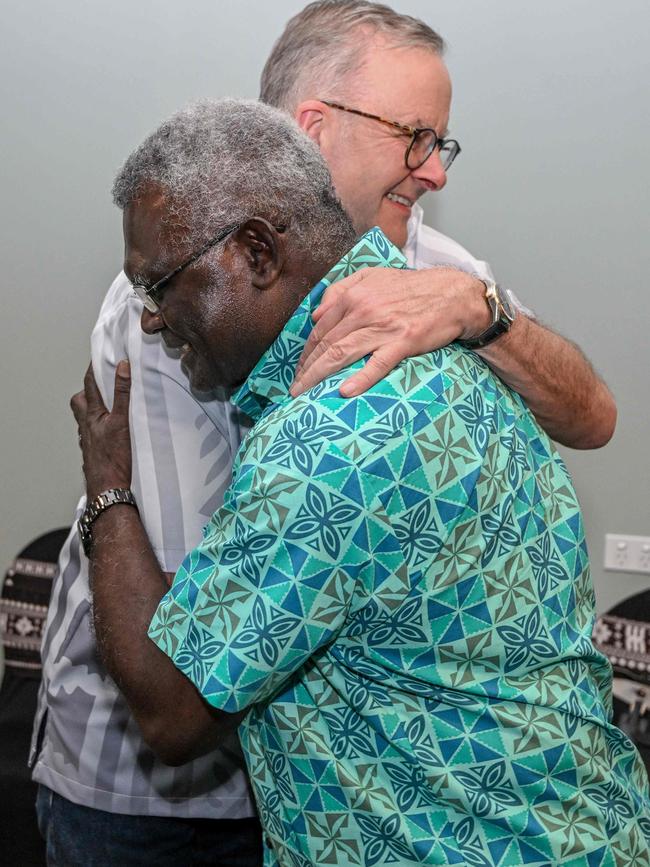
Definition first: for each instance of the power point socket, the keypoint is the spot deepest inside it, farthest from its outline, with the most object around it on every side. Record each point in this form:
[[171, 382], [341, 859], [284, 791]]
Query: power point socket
[[627, 553], [644, 557]]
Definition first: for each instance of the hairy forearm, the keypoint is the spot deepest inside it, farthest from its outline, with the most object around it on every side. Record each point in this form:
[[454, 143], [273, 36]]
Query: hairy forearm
[[127, 585], [568, 399], [391, 315]]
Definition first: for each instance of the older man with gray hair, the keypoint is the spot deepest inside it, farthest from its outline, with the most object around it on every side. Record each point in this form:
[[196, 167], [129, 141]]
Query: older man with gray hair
[[393, 604]]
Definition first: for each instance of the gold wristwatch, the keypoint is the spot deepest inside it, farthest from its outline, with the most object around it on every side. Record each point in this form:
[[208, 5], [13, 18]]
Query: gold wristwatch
[[503, 315]]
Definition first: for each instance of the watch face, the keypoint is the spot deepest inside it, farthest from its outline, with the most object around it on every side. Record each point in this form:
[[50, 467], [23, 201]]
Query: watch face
[[506, 303]]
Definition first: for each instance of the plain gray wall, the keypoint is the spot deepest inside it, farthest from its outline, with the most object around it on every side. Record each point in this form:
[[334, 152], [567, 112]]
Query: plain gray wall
[[551, 106]]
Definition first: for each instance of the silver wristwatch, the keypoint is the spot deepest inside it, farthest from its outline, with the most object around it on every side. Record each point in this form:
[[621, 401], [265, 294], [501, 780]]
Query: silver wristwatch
[[93, 510]]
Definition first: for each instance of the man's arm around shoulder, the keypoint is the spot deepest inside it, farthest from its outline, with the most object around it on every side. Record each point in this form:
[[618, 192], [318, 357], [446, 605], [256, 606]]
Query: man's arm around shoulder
[[391, 315], [566, 396]]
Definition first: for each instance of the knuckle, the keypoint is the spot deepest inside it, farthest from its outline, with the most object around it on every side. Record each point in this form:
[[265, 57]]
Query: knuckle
[[340, 309], [387, 320], [334, 291], [411, 328], [318, 350], [314, 338], [321, 345], [337, 353], [381, 364], [370, 309]]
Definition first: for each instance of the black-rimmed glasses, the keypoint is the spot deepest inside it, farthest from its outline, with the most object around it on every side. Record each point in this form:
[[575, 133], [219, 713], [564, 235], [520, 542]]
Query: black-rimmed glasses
[[151, 295], [423, 140]]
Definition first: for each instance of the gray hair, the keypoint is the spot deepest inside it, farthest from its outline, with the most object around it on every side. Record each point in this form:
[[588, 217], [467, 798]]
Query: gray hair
[[320, 48], [221, 162]]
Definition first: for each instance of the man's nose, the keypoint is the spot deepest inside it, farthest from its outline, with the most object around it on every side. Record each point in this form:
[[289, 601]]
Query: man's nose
[[151, 323], [431, 173]]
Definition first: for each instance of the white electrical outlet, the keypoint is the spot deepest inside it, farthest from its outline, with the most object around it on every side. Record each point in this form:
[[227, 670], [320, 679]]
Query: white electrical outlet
[[627, 553]]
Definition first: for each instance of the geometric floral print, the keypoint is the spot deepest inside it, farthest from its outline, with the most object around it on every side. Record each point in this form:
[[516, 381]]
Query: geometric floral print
[[397, 588]]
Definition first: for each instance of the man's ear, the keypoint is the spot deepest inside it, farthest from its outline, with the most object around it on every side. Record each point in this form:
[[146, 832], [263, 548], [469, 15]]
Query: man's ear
[[311, 116], [262, 247]]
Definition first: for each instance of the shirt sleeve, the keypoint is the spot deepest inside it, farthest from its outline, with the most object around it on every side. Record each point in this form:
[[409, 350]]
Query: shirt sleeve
[[428, 248], [272, 581]]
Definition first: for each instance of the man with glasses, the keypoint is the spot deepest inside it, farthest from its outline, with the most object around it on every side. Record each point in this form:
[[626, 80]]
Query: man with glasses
[[376, 116], [393, 605], [369, 86], [422, 140]]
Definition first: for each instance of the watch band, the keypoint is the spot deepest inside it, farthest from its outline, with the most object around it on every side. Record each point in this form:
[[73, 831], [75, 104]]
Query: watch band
[[103, 501], [503, 315]]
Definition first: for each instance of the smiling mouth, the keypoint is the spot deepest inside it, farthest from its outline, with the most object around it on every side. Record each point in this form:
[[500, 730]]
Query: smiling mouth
[[399, 200]]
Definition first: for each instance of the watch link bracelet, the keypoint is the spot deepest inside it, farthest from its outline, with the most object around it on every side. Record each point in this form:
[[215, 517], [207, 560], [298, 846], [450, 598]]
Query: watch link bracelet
[[503, 315], [103, 501]]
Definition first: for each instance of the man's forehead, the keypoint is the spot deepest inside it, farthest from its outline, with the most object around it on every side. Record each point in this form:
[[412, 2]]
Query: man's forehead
[[402, 79], [147, 230], [150, 205]]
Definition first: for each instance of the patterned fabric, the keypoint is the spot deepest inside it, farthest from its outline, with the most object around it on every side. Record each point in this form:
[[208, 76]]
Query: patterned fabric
[[23, 609], [397, 587], [623, 635], [626, 643], [86, 745]]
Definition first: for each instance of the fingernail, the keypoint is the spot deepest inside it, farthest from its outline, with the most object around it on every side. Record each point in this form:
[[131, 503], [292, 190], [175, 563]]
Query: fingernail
[[124, 369]]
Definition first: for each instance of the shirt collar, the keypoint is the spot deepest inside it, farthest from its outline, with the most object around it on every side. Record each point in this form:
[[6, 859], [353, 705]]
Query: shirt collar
[[271, 378], [413, 229]]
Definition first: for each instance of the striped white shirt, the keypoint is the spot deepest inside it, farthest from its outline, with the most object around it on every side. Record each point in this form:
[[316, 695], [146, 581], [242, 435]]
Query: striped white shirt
[[90, 749]]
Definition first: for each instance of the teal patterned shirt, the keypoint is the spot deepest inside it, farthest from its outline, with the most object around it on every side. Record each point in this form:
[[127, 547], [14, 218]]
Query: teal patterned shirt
[[397, 587]]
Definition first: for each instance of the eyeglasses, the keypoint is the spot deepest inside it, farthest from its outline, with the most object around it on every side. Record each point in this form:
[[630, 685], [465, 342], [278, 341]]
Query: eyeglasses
[[151, 295], [423, 140]]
